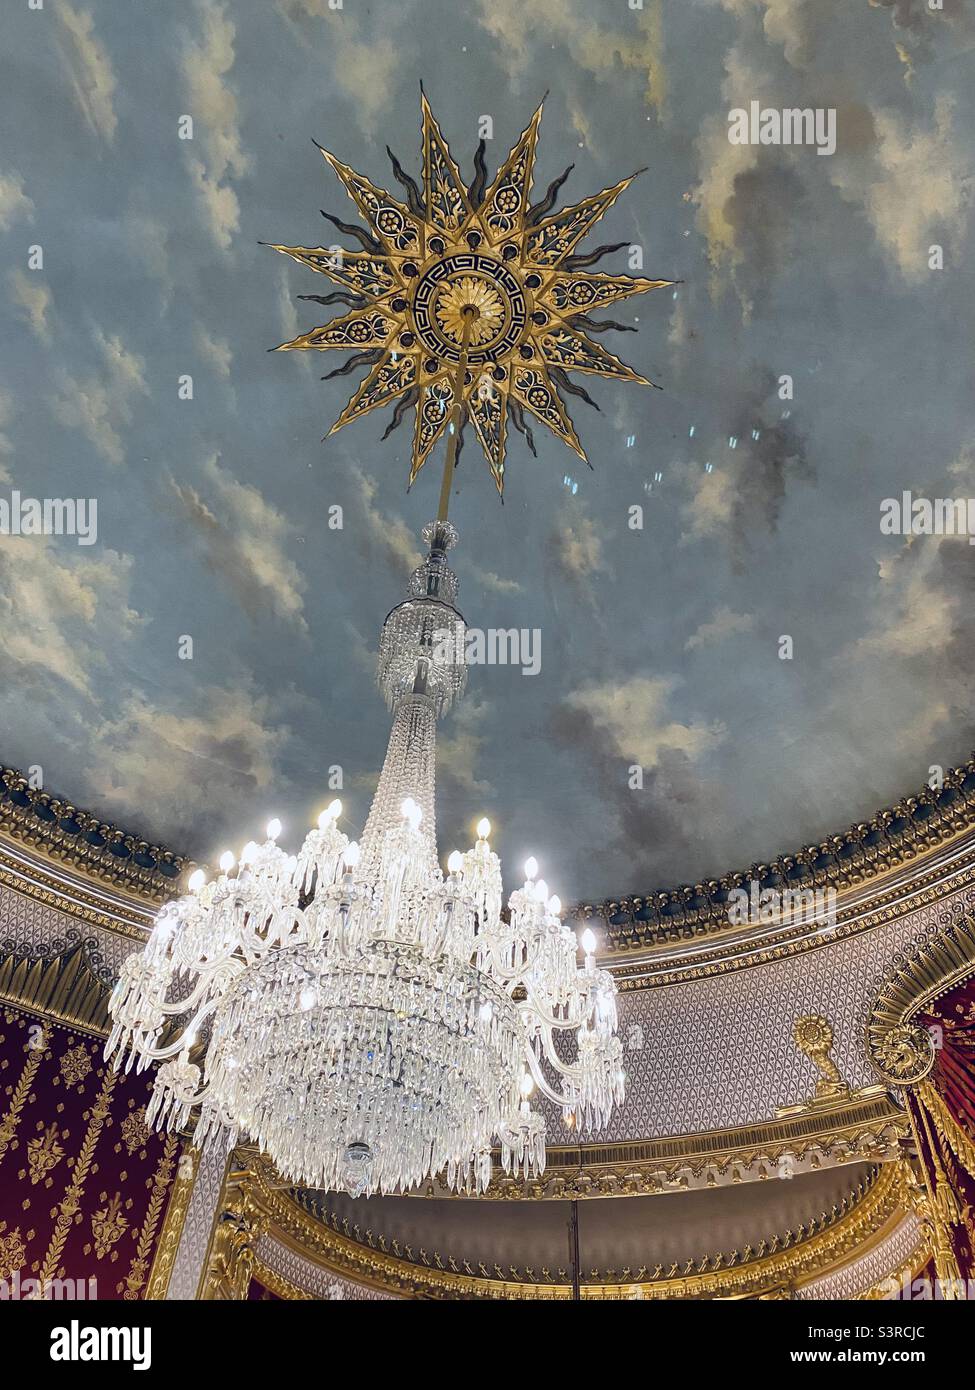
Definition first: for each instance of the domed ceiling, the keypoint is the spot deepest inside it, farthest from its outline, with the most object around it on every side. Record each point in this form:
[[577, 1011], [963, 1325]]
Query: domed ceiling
[[660, 648]]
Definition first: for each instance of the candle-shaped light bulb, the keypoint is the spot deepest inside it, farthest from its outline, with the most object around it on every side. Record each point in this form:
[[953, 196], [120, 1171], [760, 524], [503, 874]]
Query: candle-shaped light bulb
[[541, 891], [531, 867], [483, 828], [249, 853], [554, 905], [273, 828], [527, 1085], [588, 941], [331, 813], [196, 880], [226, 861], [456, 862], [350, 855]]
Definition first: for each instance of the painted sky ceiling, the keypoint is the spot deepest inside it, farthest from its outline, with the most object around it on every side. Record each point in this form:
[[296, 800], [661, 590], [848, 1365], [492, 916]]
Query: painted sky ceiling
[[659, 647]]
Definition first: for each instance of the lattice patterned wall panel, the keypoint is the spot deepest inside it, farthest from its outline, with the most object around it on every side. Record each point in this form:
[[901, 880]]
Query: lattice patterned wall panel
[[716, 1053]]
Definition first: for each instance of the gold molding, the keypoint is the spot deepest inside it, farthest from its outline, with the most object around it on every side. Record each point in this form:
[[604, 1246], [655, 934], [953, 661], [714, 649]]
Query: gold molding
[[866, 1127], [278, 1284], [900, 1051], [731, 955], [237, 1223], [256, 1205], [171, 1232], [871, 850], [75, 899], [63, 988], [71, 836]]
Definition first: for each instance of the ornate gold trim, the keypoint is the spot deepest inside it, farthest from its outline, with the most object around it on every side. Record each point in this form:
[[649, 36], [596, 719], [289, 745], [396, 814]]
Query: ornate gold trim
[[74, 899], [865, 854], [728, 953], [239, 1220], [867, 1127], [256, 1205], [278, 1284], [950, 1132], [75, 837], [900, 1051], [63, 988], [889, 840], [172, 1228]]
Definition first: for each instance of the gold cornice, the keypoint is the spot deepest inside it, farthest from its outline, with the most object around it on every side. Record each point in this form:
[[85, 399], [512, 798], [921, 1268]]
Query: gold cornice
[[73, 899], [645, 969], [867, 1127], [900, 1050], [68, 835], [273, 1211], [866, 853]]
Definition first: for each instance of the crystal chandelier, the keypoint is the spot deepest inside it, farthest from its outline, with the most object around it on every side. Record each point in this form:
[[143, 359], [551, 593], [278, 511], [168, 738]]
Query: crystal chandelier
[[368, 1021], [364, 1018]]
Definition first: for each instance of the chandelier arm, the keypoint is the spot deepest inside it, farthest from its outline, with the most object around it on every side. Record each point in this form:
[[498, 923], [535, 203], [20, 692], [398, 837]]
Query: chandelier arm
[[181, 1006], [512, 976], [542, 1082], [506, 977], [562, 1025], [258, 935], [204, 983], [159, 1054], [558, 1025], [197, 1097], [571, 1071]]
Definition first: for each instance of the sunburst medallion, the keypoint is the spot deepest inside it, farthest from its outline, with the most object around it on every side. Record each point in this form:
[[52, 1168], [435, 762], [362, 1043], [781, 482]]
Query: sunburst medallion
[[467, 301]]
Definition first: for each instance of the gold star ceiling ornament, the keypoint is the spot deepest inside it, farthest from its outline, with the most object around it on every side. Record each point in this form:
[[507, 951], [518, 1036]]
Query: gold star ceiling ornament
[[468, 302]]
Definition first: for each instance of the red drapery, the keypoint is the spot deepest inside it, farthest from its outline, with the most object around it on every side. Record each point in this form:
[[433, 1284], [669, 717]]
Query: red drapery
[[83, 1182], [943, 1111]]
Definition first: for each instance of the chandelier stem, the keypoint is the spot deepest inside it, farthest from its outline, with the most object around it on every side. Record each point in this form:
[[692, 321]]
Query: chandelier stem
[[450, 462]]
